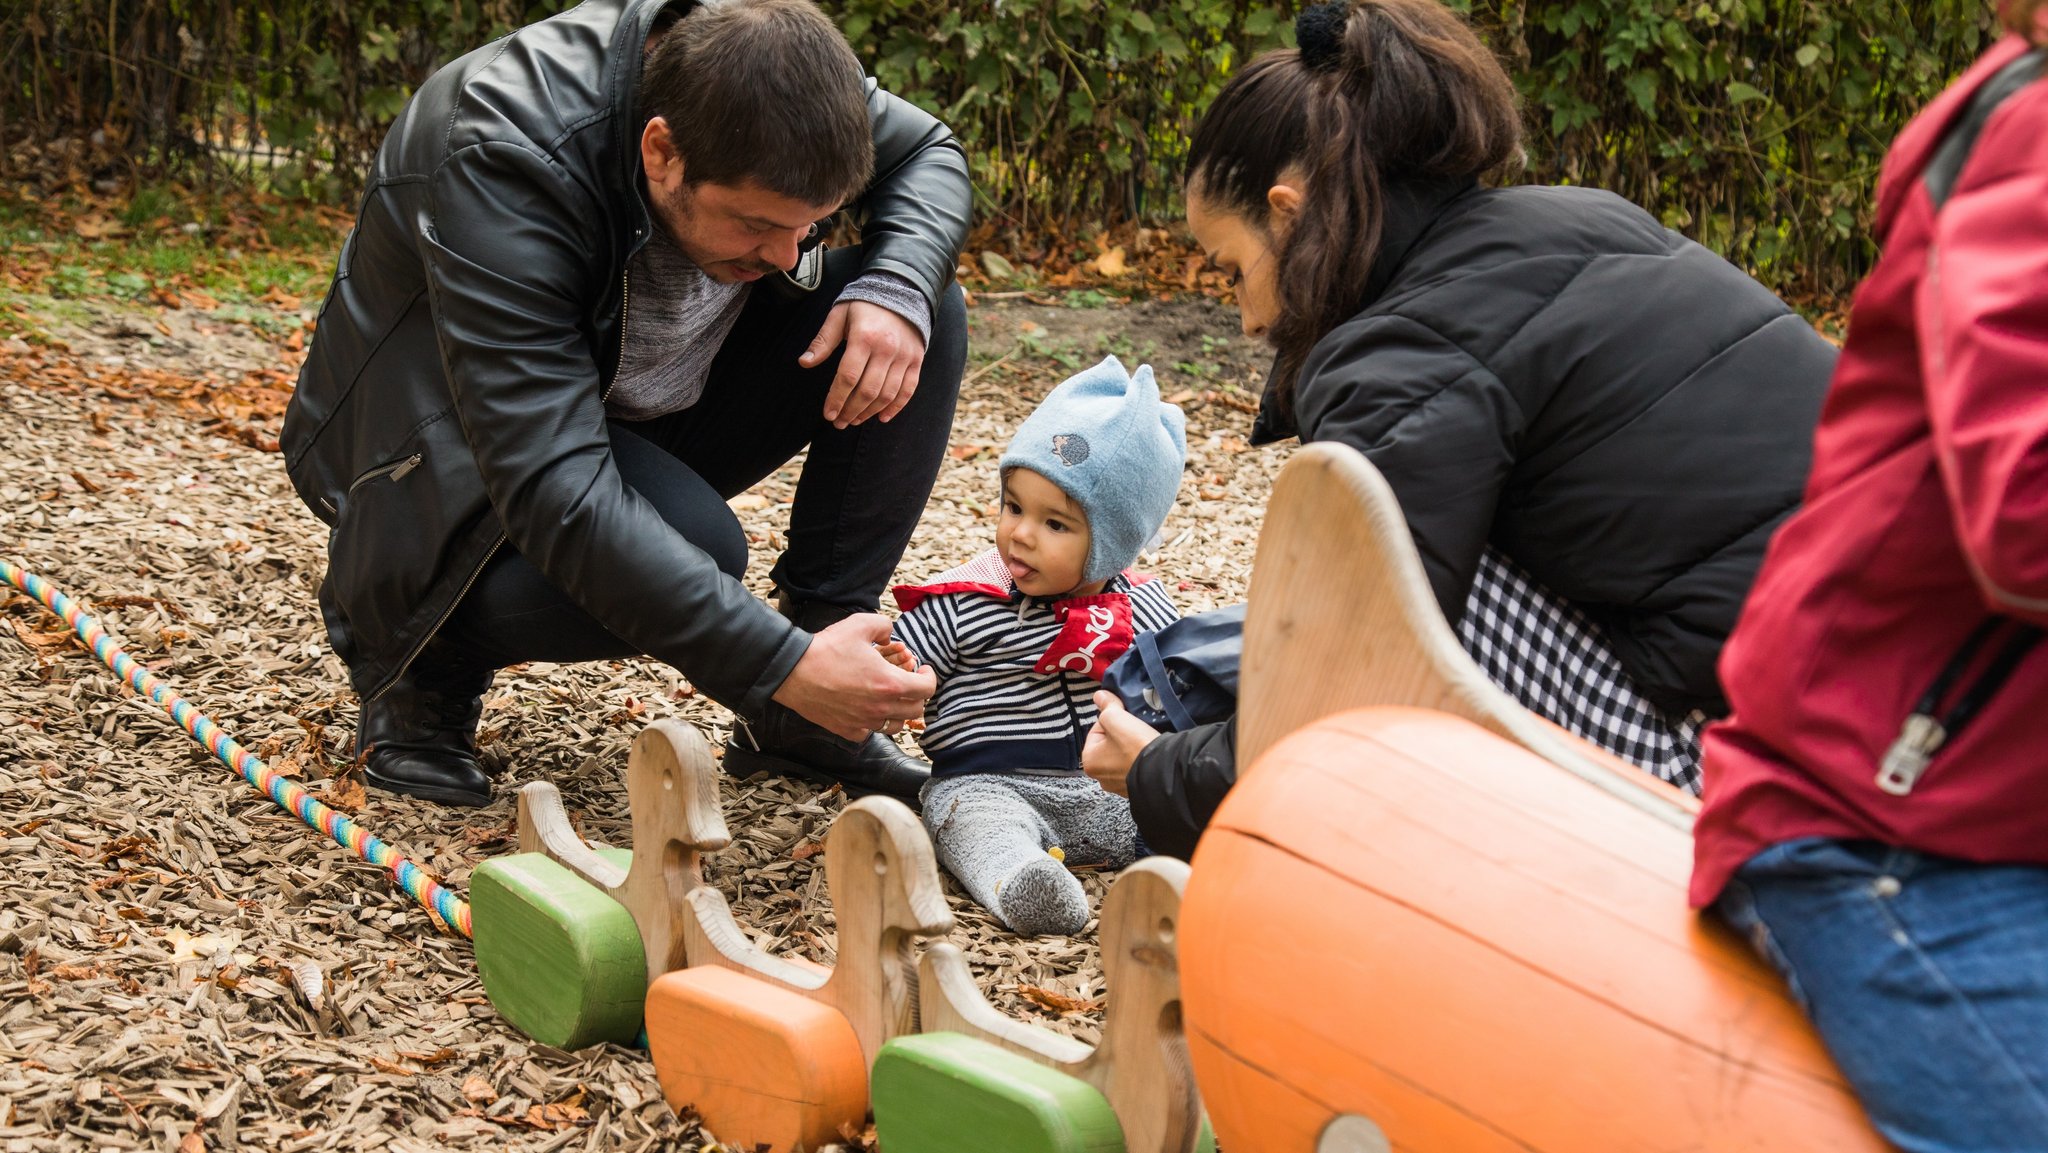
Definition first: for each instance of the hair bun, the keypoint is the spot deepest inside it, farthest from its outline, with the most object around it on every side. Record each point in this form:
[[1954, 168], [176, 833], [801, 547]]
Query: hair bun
[[1319, 32]]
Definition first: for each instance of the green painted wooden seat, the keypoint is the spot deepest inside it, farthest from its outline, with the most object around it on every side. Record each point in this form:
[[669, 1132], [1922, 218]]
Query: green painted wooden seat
[[944, 1092], [559, 959]]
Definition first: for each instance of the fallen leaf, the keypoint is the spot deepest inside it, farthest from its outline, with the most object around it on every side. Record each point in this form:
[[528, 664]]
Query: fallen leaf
[[996, 267], [193, 1143], [477, 1090], [1057, 1002], [1111, 263]]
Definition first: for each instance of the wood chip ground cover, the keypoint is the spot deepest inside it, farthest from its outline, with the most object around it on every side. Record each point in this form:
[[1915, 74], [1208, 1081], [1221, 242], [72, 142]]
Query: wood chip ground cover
[[185, 967]]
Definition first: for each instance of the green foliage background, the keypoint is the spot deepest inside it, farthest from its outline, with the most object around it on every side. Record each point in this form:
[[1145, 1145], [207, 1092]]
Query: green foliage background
[[1755, 126]]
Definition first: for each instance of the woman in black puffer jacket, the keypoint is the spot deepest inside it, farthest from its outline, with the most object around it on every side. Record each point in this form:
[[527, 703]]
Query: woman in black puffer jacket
[[1592, 424]]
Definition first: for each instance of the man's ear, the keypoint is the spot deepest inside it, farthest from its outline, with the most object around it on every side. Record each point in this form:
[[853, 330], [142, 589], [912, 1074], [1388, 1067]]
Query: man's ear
[[1285, 201], [658, 155]]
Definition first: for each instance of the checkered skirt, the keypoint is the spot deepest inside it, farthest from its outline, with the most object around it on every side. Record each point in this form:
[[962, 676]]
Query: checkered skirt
[[1551, 658]]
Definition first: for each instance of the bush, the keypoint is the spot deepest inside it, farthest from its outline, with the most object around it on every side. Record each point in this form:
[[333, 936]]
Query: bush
[[1754, 125]]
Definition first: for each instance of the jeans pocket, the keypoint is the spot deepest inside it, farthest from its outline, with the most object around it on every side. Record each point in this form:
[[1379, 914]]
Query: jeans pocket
[[1737, 907]]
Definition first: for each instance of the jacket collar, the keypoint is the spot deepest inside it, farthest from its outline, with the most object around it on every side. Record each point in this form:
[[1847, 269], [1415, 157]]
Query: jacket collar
[[629, 55]]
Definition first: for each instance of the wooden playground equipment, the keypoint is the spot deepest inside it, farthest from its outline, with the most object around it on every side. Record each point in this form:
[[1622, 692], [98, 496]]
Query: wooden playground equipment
[[1504, 955], [975, 1070], [1435, 923]]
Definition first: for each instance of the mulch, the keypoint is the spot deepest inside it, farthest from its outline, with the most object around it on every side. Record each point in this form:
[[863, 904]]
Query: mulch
[[185, 967]]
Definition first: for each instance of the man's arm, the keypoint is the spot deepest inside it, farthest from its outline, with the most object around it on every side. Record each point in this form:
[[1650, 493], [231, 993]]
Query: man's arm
[[913, 217], [508, 243], [913, 220]]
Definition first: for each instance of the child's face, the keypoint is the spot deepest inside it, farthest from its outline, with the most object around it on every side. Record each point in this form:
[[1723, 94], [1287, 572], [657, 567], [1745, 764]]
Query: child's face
[[1043, 536]]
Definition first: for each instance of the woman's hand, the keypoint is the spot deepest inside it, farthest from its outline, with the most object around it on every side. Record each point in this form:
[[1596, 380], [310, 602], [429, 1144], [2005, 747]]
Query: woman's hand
[[1114, 743]]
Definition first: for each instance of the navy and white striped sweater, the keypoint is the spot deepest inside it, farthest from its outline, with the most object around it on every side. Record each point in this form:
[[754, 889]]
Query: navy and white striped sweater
[[1004, 701]]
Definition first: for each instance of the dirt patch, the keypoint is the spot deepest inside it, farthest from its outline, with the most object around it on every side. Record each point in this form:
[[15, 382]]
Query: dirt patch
[[159, 909]]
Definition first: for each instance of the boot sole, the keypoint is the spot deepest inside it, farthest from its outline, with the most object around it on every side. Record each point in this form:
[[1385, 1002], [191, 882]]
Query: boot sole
[[438, 794], [740, 762]]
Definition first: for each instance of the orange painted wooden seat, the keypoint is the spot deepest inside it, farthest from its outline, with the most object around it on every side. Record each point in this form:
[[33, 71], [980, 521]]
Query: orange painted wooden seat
[[1453, 926], [1404, 921], [773, 1053]]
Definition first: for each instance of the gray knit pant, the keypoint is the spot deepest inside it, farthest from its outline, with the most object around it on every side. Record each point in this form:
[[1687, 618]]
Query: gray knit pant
[[994, 832]]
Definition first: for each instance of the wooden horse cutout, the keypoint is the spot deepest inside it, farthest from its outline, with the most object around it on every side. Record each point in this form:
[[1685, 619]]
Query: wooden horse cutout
[[777, 1052], [1140, 1069], [672, 791], [568, 937], [1501, 954], [1342, 615]]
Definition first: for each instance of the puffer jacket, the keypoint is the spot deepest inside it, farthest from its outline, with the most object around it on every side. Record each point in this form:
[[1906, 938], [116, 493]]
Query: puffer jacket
[[1623, 413], [452, 399], [1927, 521]]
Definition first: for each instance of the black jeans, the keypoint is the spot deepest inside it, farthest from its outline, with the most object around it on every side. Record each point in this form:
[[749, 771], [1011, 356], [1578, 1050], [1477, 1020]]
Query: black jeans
[[860, 496]]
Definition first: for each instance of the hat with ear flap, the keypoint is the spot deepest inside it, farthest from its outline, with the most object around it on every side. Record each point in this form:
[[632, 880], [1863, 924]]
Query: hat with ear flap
[[1105, 439]]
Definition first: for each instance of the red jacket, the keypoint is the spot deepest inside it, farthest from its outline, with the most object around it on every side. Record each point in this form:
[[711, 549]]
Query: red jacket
[[1927, 512]]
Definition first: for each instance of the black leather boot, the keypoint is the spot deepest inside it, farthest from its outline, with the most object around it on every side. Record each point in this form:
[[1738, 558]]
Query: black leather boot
[[785, 744], [421, 735]]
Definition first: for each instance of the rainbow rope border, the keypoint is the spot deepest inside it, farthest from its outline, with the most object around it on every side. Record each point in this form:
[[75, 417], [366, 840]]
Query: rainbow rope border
[[289, 795]]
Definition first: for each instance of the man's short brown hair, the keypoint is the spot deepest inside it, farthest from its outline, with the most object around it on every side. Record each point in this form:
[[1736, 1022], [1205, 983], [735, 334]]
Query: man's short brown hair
[[762, 90]]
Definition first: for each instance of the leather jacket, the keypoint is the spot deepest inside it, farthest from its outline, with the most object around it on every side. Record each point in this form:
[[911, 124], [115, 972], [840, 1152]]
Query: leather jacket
[[453, 397]]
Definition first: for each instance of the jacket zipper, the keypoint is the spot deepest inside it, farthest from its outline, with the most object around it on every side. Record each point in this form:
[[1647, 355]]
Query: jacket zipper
[[412, 462], [396, 470], [625, 319]]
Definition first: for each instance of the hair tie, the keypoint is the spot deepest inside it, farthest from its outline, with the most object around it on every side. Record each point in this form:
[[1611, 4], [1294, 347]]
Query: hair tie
[[1319, 33]]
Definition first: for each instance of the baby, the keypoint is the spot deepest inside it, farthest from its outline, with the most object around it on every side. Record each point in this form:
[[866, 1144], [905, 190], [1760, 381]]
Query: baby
[[1020, 636]]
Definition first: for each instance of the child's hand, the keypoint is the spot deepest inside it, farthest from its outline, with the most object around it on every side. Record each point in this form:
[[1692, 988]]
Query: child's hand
[[897, 653]]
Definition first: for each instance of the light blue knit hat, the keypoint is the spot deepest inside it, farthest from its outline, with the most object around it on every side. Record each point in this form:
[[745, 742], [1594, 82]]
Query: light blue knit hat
[[1107, 440]]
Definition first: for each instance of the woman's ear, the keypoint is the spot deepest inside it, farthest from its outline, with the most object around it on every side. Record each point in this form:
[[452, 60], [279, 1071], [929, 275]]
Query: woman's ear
[[1285, 201]]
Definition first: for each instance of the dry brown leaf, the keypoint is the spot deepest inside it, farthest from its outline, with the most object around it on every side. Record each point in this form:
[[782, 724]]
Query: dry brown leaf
[[344, 792], [477, 1090], [391, 1067], [1056, 1001], [1111, 263], [192, 1143]]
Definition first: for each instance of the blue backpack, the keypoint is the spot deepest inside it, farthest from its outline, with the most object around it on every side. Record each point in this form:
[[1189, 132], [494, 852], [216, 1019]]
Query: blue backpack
[[1183, 675]]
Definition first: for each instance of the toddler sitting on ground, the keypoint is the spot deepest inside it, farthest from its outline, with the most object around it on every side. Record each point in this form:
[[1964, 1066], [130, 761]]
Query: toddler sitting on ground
[[1020, 636]]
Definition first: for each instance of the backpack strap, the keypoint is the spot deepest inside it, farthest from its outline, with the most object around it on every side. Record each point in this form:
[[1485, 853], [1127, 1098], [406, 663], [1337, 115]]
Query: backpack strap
[[1947, 165]]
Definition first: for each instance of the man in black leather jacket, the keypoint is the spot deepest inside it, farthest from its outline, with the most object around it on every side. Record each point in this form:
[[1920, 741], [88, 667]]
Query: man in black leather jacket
[[561, 336]]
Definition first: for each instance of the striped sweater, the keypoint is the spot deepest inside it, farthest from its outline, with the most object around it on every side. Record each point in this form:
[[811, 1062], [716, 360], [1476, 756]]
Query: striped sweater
[[1017, 674]]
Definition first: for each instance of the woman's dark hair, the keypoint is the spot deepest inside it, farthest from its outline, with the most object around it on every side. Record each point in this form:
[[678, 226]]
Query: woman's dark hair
[[2027, 18], [762, 90], [1380, 92]]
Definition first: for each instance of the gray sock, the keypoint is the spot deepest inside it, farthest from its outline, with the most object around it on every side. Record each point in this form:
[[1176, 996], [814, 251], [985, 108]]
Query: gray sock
[[993, 830]]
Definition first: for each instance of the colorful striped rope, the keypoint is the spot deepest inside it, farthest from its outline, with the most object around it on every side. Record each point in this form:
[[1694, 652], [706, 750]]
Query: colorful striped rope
[[289, 794]]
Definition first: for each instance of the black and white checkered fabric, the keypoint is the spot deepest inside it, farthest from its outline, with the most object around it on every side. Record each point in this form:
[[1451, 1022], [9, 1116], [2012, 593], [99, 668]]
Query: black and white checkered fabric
[[1548, 656]]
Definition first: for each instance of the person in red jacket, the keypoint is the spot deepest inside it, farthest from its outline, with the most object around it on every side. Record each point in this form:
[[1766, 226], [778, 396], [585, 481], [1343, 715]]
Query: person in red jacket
[[1876, 806]]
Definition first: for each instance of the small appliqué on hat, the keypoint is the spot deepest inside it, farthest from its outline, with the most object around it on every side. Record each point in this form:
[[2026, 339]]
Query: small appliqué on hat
[[1071, 448]]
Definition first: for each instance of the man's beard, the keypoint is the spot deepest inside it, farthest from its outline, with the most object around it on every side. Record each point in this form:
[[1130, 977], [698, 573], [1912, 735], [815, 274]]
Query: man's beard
[[673, 215]]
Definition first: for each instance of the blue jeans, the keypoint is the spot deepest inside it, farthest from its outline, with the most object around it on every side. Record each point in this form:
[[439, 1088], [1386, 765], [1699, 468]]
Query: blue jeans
[[1927, 978]]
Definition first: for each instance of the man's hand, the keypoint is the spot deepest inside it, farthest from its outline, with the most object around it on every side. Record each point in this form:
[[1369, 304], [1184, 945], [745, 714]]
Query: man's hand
[[1114, 743], [845, 684], [878, 374]]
